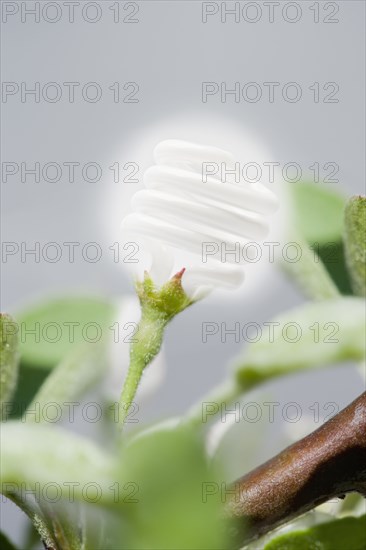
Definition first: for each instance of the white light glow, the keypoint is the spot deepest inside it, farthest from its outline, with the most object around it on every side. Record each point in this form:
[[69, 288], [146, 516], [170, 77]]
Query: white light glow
[[207, 130]]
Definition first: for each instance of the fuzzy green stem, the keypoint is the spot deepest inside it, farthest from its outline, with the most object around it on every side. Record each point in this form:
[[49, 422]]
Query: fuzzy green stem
[[158, 307], [143, 349]]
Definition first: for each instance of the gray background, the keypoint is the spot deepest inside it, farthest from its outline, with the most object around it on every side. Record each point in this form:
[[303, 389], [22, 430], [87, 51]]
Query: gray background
[[169, 53]]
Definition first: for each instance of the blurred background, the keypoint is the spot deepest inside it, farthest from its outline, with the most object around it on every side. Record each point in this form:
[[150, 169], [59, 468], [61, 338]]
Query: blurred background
[[148, 60]]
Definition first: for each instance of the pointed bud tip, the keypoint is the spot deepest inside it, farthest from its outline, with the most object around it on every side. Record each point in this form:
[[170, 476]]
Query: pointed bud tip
[[180, 274]]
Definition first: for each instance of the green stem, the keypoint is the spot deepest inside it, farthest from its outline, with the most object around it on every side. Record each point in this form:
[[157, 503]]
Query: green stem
[[143, 350], [158, 307]]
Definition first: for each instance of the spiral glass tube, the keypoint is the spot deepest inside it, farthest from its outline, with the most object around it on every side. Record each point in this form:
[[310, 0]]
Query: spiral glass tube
[[185, 209]]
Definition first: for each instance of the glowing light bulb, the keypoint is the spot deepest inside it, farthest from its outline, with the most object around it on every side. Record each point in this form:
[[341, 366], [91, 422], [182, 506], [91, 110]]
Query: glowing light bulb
[[194, 204]]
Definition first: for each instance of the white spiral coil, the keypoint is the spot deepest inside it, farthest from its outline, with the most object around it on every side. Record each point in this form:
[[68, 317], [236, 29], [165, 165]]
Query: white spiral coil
[[179, 209]]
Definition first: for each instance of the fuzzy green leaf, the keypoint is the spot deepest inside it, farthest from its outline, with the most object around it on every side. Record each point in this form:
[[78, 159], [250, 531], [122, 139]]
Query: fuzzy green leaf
[[346, 533], [34, 454], [311, 273], [318, 213], [178, 494], [9, 358], [306, 337], [73, 377], [39, 355], [60, 326], [355, 243]]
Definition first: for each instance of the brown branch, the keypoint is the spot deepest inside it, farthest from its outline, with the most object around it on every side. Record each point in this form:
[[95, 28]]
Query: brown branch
[[328, 463]]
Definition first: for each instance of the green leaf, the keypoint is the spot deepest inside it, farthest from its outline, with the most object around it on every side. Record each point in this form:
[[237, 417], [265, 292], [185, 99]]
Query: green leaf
[[346, 533], [59, 326], [73, 377], [9, 359], [318, 213], [311, 274], [39, 356], [355, 243], [333, 258], [178, 495], [5, 543], [30, 380], [34, 454], [306, 337]]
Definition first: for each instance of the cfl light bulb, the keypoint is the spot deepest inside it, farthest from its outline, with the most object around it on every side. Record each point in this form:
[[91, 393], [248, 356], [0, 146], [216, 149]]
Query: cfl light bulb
[[193, 205]]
